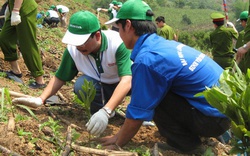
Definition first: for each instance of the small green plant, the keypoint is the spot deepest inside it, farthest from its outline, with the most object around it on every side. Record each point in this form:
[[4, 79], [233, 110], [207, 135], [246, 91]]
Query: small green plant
[[232, 99], [142, 151], [87, 96], [6, 105], [75, 135], [21, 132], [28, 110], [20, 117], [56, 136], [24, 89], [2, 74], [55, 127]]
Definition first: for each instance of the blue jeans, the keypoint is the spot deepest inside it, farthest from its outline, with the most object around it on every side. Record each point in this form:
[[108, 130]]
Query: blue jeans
[[96, 104]]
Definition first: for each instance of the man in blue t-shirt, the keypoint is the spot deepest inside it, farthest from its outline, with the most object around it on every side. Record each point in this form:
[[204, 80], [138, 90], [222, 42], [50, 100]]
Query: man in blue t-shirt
[[166, 76]]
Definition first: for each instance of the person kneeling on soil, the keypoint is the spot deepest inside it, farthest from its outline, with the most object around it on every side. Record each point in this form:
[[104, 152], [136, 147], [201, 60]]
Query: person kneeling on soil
[[104, 60], [166, 76]]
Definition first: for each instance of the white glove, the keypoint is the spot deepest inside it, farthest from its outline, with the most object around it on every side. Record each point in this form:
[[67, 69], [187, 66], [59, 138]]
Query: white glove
[[99, 9], [230, 24], [111, 5], [33, 102], [15, 18], [98, 122], [6, 13]]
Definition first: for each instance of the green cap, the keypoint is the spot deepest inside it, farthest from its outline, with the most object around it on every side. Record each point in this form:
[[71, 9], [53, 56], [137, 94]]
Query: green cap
[[119, 4], [114, 2], [133, 9], [52, 7], [243, 15], [216, 16], [81, 25], [59, 10], [42, 12]]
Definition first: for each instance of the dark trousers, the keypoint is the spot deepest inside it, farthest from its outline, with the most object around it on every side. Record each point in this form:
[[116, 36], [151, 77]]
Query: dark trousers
[[51, 21], [182, 124]]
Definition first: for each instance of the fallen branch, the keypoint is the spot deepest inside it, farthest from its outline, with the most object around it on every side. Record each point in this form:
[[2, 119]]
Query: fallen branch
[[5, 150], [102, 152], [67, 147], [11, 125], [155, 151], [62, 97], [16, 94]]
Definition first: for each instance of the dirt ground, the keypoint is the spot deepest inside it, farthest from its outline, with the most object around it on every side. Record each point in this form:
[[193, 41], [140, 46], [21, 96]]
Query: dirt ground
[[69, 113], [27, 139]]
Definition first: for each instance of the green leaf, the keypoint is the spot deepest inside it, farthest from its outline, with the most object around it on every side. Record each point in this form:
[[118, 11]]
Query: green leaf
[[29, 110], [236, 130]]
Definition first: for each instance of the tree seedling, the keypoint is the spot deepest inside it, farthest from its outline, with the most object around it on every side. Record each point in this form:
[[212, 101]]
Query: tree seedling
[[232, 99], [87, 94]]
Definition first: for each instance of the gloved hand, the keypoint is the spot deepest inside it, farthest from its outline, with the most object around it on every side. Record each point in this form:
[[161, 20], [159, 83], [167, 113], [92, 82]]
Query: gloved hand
[[98, 122], [15, 18], [99, 9], [230, 24], [111, 5], [6, 13], [33, 102]]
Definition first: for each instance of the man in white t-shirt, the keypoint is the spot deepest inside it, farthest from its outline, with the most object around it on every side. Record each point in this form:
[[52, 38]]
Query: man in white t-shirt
[[63, 10], [101, 56], [51, 17]]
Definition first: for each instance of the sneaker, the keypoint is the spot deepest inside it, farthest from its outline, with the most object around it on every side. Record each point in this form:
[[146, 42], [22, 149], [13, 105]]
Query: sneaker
[[225, 138], [12, 73], [16, 77], [36, 85], [197, 151]]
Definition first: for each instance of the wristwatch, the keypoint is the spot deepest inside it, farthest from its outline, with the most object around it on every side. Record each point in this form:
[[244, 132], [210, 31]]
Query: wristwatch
[[245, 46], [108, 111]]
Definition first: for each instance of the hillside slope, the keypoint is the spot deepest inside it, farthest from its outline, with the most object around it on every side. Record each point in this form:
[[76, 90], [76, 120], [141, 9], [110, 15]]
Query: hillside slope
[[27, 139]]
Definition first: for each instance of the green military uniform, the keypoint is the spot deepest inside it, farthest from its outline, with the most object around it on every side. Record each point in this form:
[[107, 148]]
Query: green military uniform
[[166, 32], [245, 62], [240, 41], [25, 34], [222, 42]]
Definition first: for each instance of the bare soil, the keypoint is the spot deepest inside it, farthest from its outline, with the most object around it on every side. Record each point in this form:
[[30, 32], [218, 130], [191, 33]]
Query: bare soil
[[68, 114]]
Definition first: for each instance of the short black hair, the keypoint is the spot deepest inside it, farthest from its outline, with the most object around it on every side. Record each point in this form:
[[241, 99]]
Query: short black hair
[[219, 23], [141, 26], [160, 19], [244, 19], [93, 33]]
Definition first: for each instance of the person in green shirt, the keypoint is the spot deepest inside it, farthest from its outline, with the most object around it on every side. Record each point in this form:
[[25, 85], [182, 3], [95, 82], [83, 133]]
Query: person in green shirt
[[243, 56], [114, 7], [222, 41], [20, 25], [165, 30], [96, 55], [243, 21]]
